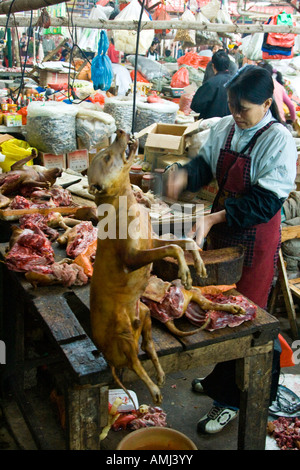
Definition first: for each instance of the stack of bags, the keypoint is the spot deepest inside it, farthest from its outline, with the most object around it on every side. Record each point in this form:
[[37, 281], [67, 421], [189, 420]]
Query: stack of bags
[[279, 45]]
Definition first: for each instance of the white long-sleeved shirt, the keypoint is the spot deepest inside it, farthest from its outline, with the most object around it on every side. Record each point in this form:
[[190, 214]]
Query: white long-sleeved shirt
[[273, 158]]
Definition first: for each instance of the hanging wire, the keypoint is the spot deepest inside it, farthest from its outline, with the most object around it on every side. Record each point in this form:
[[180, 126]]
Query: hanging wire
[[135, 68]]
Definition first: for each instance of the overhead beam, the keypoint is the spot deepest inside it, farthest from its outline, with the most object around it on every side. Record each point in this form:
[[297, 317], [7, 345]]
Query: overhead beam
[[170, 24], [25, 5]]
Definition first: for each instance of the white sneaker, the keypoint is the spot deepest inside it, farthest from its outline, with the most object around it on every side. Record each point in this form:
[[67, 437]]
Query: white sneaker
[[197, 386], [215, 420]]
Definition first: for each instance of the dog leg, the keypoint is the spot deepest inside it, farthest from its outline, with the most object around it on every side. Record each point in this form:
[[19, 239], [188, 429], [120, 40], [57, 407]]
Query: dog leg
[[148, 346], [189, 245], [137, 258], [206, 304]]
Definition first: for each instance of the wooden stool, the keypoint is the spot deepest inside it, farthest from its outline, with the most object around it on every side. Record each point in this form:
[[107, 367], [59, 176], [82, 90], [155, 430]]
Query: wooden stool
[[289, 287]]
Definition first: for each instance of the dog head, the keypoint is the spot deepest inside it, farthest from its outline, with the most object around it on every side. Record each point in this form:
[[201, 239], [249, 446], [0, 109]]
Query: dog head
[[109, 169]]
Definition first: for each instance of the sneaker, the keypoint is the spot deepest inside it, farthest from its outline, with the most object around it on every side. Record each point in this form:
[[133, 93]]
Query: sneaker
[[197, 386], [215, 420]]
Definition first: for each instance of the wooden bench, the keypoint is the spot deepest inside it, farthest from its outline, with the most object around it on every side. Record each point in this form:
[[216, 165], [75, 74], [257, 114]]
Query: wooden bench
[[86, 377]]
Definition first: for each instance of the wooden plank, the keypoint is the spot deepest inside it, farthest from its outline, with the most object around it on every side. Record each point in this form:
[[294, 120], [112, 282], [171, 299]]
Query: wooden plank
[[288, 233], [294, 285], [5, 214], [254, 402], [288, 299]]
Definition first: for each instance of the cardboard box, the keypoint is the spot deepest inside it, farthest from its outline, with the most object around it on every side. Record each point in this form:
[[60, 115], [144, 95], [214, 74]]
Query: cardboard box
[[78, 160], [50, 160], [168, 138], [49, 76], [209, 192]]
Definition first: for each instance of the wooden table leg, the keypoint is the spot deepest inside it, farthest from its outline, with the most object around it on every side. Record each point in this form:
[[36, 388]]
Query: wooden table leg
[[254, 380], [86, 410]]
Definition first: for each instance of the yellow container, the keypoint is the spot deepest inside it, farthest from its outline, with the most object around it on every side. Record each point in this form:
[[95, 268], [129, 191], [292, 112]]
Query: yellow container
[[15, 150], [156, 438]]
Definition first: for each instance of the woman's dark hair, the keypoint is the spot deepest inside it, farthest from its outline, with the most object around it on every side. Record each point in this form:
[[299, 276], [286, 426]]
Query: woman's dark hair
[[269, 68], [254, 84]]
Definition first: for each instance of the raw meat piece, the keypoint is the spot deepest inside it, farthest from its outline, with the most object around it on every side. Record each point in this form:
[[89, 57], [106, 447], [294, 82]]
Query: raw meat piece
[[286, 432], [80, 237], [31, 251], [220, 319]]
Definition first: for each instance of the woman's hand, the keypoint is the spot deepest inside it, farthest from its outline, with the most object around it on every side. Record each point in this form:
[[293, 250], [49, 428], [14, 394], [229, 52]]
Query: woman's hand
[[204, 224], [176, 182]]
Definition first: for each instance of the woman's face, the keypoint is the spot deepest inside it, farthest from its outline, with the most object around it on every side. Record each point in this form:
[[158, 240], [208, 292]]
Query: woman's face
[[248, 114]]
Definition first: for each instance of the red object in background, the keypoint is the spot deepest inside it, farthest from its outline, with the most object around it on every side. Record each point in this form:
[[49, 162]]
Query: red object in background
[[180, 78], [23, 112], [139, 77], [194, 60], [161, 14], [98, 98]]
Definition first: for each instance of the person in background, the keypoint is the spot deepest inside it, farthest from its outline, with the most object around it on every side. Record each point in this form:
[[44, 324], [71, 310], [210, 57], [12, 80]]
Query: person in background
[[280, 95], [152, 52], [238, 56], [253, 157], [209, 70], [23, 45], [210, 100], [112, 53]]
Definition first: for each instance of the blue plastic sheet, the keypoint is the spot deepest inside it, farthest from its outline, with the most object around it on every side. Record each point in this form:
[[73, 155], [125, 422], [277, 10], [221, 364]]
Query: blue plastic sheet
[[101, 68]]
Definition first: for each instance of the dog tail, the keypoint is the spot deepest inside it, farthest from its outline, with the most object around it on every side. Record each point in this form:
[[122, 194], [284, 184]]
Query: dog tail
[[173, 329], [118, 381]]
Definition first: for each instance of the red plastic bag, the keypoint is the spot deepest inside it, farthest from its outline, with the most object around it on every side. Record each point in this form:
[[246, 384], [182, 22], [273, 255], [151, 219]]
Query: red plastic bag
[[194, 60], [180, 78], [139, 77], [280, 39], [185, 103], [161, 14], [266, 56]]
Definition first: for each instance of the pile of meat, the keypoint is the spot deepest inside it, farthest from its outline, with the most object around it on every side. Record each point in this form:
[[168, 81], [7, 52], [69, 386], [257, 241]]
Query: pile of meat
[[220, 319], [286, 432], [171, 305], [31, 251], [143, 417]]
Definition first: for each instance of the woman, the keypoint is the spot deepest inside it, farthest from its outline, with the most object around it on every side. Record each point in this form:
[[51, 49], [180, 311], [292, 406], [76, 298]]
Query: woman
[[280, 95], [253, 157]]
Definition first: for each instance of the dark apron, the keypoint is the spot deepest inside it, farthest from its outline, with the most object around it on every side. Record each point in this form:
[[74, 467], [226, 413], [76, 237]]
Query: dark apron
[[261, 242]]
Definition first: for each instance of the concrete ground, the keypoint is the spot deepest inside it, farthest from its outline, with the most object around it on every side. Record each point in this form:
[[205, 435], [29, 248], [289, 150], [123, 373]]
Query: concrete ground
[[183, 407]]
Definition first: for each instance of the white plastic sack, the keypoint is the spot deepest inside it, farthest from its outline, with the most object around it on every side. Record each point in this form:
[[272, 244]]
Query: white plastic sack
[[209, 37], [125, 41], [150, 69], [93, 125], [51, 126], [253, 49], [122, 78], [188, 37], [210, 11], [88, 37]]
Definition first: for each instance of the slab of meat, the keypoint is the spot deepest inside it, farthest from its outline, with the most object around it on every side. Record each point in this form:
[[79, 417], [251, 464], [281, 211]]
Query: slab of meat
[[39, 221], [220, 319], [31, 251], [202, 310], [286, 432], [56, 194], [66, 274], [78, 238]]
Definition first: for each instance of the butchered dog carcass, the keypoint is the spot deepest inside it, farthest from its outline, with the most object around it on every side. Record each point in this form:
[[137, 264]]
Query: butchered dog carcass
[[123, 265]]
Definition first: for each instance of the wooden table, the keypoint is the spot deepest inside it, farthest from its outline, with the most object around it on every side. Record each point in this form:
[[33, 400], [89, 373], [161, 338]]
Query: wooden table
[[64, 316]]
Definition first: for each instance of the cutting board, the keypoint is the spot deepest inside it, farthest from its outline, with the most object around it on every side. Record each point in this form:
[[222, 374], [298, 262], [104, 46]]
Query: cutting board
[[223, 266]]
